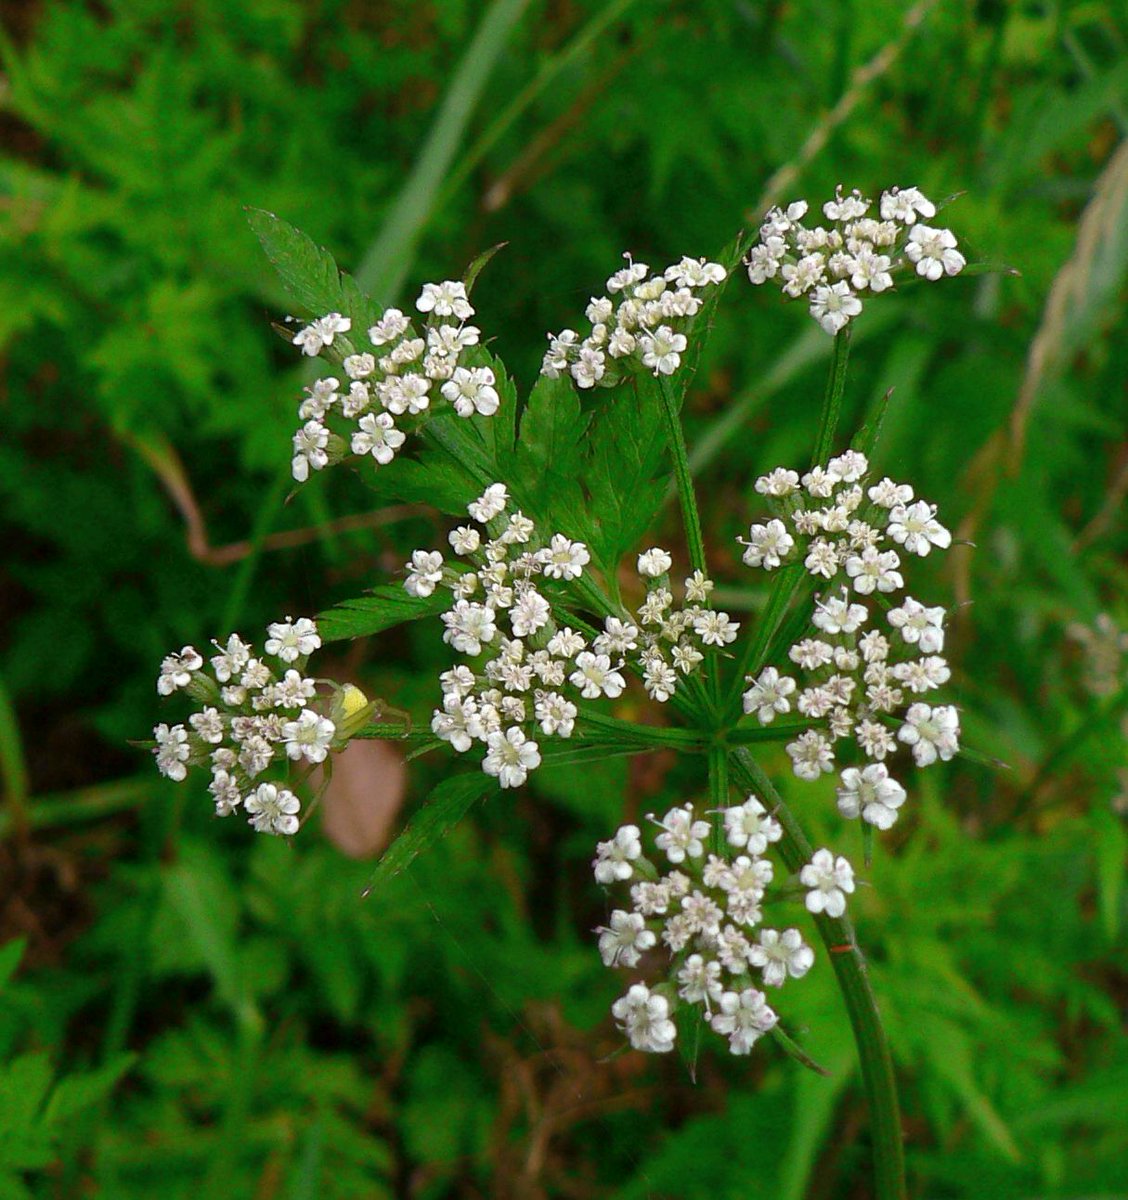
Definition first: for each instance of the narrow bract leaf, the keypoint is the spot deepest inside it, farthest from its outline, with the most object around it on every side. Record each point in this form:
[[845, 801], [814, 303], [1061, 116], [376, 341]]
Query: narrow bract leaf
[[793, 1050], [78, 1092], [386, 607], [447, 804]]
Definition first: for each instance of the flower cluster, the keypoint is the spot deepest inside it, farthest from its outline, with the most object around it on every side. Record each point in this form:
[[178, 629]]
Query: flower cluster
[[832, 267], [703, 919], [859, 675], [391, 376], [255, 712], [643, 321], [530, 674]]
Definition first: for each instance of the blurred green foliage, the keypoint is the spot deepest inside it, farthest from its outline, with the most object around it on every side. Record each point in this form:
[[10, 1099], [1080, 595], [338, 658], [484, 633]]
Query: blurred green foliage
[[274, 1035]]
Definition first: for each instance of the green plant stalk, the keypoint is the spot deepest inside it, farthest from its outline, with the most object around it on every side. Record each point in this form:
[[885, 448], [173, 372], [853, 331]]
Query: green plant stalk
[[838, 937], [718, 792], [13, 768], [695, 542], [832, 400]]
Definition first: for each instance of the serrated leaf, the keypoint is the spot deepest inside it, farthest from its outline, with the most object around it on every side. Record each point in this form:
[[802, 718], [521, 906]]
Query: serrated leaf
[[447, 804], [386, 607], [624, 476], [478, 265], [309, 272], [548, 456], [78, 1092]]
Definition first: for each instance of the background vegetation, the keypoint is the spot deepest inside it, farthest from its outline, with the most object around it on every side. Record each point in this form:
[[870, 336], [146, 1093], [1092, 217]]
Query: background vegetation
[[188, 1010]]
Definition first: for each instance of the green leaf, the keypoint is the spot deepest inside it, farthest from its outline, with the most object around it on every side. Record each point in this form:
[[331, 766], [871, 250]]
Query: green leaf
[[23, 1088], [309, 272], [386, 607], [78, 1092], [447, 804], [1111, 848], [625, 477], [10, 955], [689, 1022], [548, 455]]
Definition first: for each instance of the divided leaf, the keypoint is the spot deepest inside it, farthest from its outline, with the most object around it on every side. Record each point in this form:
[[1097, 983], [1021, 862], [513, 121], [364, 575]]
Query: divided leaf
[[386, 607]]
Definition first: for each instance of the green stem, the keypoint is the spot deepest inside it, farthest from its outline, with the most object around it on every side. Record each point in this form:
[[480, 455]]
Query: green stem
[[650, 735], [695, 543], [718, 792], [838, 937], [832, 401]]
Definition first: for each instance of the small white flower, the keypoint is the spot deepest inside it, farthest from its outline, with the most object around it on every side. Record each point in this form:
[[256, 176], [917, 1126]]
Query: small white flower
[[231, 659], [208, 724], [933, 733], [768, 695], [171, 751], [273, 809], [424, 573], [556, 715], [176, 670], [289, 640], [828, 881], [780, 482], [904, 204], [662, 350], [681, 834], [490, 503], [934, 252], [870, 793], [811, 755], [589, 368], [446, 299], [875, 569], [715, 628], [743, 1018], [566, 643], [919, 626], [700, 981], [750, 827], [870, 270], [889, 494], [464, 540], [645, 1019], [810, 654], [849, 466], [915, 527], [320, 333], [779, 955], [800, 277], [612, 863], [767, 545], [457, 722], [510, 756], [529, 613], [564, 559], [377, 436], [625, 940], [471, 390], [654, 562], [833, 306], [390, 326], [225, 792], [595, 676], [309, 737], [838, 615], [469, 627]]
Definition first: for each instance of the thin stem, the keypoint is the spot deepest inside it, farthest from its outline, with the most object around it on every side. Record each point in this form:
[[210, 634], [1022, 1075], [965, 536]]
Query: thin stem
[[838, 937], [686, 496], [832, 401], [718, 792]]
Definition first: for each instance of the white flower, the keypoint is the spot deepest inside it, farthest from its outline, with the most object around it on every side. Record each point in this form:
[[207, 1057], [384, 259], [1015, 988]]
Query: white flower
[[457, 722], [870, 793], [919, 625], [469, 626], [566, 643], [171, 751], [695, 272], [660, 680], [425, 572], [780, 482], [833, 306], [934, 252], [779, 955], [837, 615], [490, 503], [697, 588], [743, 1018], [510, 756], [309, 737], [446, 299], [715, 628], [904, 204], [933, 733], [321, 332], [290, 639], [662, 350], [377, 436], [915, 527], [612, 863], [768, 695], [320, 397], [555, 714], [464, 539], [822, 559], [828, 881], [273, 809], [700, 981], [922, 675], [225, 792], [231, 658], [472, 390], [645, 1018], [589, 368], [810, 654], [811, 755], [800, 277], [176, 670], [870, 270], [208, 724], [390, 326], [309, 450], [681, 834], [623, 942], [529, 613], [888, 494], [564, 559], [632, 273], [875, 568], [875, 740], [617, 637], [595, 676], [750, 827], [654, 562], [768, 545]]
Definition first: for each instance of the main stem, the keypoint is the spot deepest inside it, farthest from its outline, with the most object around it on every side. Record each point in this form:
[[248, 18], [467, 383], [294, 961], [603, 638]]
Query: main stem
[[838, 937], [832, 400]]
